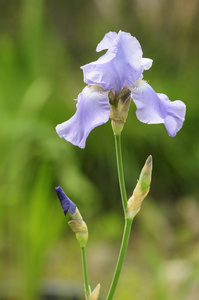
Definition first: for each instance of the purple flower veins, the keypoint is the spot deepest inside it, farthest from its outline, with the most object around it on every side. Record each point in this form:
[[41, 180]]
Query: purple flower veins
[[120, 67]]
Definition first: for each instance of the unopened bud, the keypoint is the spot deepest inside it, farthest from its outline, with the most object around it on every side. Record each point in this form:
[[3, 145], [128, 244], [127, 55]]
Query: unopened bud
[[119, 109], [76, 222], [141, 190], [94, 295], [145, 175], [67, 205]]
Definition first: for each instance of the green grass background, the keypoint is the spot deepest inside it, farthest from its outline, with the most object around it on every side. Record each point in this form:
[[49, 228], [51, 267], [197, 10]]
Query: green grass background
[[42, 46]]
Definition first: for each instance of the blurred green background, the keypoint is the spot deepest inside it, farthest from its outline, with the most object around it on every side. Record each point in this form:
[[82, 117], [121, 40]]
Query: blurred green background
[[42, 46]]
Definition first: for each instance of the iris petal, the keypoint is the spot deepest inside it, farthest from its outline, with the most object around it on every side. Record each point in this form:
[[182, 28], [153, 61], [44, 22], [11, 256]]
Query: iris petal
[[153, 108], [120, 66], [92, 110], [108, 41]]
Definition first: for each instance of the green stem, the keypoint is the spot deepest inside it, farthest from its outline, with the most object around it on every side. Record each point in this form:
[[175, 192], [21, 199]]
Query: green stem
[[126, 235], [86, 284], [128, 222], [120, 170]]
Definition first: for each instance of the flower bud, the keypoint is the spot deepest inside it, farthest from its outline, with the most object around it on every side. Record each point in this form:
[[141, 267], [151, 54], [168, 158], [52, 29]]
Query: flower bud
[[145, 175], [66, 203], [119, 109], [76, 221], [141, 190], [94, 295]]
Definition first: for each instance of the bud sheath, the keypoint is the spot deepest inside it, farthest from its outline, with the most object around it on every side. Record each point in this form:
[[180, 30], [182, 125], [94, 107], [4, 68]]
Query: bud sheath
[[141, 190], [119, 109], [94, 294]]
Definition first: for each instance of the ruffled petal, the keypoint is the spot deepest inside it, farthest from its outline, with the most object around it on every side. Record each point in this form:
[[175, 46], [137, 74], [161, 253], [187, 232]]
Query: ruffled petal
[[108, 41], [102, 72], [146, 63], [153, 108], [92, 110], [120, 66]]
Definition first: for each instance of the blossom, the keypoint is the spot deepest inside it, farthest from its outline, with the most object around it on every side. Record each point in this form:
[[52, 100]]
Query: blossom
[[119, 69]]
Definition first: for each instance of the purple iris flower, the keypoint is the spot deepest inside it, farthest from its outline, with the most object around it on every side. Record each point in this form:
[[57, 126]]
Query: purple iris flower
[[66, 203], [120, 67]]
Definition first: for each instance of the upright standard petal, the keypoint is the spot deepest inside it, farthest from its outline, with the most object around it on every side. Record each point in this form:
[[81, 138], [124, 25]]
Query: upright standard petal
[[153, 108], [120, 66], [92, 110], [108, 41]]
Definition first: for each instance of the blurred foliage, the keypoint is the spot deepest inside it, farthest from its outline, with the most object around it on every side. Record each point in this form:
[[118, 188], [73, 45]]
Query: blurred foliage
[[42, 46]]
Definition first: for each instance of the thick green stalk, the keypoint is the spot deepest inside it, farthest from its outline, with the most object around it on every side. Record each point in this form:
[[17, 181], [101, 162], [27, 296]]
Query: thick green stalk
[[86, 284], [126, 235], [120, 170]]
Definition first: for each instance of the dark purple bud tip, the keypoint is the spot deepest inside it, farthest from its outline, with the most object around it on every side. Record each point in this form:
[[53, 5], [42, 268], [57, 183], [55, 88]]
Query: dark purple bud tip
[[66, 203]]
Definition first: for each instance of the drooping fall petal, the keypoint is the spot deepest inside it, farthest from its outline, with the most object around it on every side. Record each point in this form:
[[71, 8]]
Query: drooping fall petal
[[154, 108], [92, 110]]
